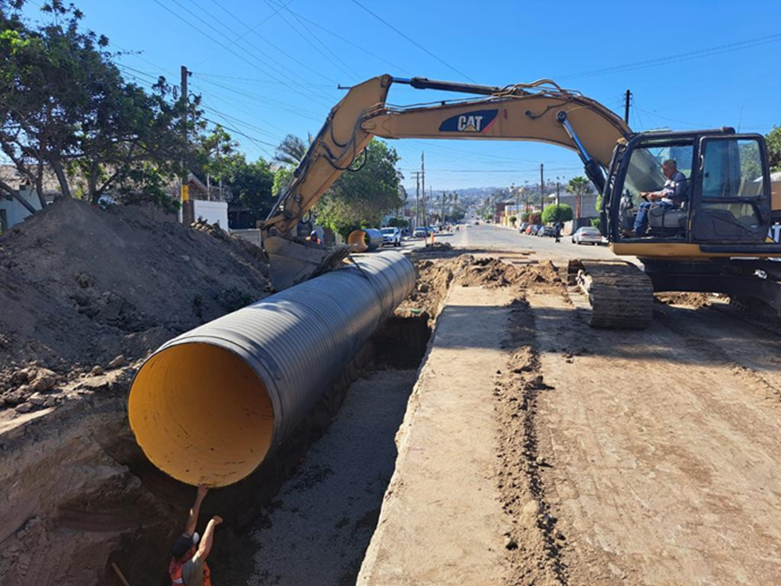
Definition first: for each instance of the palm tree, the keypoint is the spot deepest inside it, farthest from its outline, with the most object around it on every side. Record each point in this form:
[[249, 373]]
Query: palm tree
[[579, 186], [290, 151]]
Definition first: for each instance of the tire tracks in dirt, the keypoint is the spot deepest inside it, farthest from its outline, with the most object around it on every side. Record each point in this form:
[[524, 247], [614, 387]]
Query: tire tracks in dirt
[[534, 544]]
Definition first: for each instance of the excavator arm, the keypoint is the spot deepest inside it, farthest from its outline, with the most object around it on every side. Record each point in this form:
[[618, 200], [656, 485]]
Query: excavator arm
[[541, 112]]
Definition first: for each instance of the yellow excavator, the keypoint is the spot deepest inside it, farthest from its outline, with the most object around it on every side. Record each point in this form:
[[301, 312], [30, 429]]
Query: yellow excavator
[[716, 240]]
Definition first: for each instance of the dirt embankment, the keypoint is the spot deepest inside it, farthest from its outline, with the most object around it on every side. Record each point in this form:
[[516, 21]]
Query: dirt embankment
[[86, 294]]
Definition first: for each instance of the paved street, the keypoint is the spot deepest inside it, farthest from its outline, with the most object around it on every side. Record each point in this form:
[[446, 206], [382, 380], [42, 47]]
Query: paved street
[[487, 237]]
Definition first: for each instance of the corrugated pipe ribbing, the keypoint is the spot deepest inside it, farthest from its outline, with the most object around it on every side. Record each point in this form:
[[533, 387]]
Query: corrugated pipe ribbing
[[209, 405]]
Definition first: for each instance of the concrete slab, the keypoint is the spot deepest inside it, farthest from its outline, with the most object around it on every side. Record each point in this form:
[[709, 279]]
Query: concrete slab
[[442, 520]]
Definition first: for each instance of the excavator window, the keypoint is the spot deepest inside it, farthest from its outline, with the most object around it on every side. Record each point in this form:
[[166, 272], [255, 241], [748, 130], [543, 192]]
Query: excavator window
[[645, 174], [733, 203]]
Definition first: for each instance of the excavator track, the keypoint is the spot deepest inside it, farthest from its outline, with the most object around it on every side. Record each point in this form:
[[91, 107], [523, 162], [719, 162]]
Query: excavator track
[[621, 296]]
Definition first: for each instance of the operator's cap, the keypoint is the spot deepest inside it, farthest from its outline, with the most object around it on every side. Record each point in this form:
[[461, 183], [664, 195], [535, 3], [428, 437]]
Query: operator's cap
[[183, 544]]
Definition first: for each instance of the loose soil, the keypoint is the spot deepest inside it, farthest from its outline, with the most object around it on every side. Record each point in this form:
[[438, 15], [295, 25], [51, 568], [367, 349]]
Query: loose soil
[[86, 294]]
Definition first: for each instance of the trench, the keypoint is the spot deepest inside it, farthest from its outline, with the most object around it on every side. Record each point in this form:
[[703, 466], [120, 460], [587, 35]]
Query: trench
[[307, 514]]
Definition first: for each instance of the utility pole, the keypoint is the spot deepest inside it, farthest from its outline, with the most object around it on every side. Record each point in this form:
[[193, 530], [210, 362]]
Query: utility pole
[[188, 215], [423, 186], [442, 219], [542, 190], [417, 175], [626, 105]]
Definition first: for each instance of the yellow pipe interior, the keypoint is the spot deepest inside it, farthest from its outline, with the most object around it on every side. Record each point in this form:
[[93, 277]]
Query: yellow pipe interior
[[201, 414], [358, 237]]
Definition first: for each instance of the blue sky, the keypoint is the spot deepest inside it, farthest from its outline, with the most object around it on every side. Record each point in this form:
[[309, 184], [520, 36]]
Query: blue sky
[[267, 69]]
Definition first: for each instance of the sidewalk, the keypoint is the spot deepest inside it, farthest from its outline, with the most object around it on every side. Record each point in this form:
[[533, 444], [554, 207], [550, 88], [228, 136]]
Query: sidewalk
[[441, 520]]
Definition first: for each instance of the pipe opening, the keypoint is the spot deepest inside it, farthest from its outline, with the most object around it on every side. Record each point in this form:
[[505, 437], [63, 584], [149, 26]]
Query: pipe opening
[[201, 414], [360, 239]]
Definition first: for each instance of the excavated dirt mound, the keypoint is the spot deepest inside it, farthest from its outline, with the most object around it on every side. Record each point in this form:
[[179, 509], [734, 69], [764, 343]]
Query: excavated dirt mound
[[492, 272], [80, 286], [435, 276], [86, 294], [695, 300]]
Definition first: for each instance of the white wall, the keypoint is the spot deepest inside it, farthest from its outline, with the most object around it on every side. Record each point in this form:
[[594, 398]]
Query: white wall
[[212, 212], [16, 212]]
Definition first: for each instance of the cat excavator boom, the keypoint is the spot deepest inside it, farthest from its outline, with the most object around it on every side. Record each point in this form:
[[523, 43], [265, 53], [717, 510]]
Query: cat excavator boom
[[695, 248]]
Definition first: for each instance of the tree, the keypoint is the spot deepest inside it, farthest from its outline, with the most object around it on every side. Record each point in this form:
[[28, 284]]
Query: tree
[[398, 223], [579, 186], [557, 213], [65, 107], [773, 139], [282, 180], [290, 151], [363, 196], [251, 185]]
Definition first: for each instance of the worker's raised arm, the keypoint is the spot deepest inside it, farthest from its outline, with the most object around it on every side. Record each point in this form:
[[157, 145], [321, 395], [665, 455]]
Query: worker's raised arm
[[205, 546], [192, 519]]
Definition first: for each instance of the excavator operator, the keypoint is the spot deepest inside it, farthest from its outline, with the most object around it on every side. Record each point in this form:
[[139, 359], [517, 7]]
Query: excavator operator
[[672, 194]]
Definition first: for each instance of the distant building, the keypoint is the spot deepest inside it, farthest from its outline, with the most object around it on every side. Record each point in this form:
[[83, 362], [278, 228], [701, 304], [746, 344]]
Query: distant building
[[12, 211]]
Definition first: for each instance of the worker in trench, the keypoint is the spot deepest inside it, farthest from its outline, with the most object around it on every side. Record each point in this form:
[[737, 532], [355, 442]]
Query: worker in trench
[[188, 565]]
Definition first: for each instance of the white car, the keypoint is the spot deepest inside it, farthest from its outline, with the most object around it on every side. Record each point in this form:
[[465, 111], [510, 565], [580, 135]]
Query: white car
[[391, 236], [588, 235]]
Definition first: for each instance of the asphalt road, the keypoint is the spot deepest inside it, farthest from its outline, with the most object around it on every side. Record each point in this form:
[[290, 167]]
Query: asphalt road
[[489, 237]]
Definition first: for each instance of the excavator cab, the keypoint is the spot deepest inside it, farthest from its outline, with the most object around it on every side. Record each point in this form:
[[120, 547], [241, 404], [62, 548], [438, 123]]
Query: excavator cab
[[727, 198]]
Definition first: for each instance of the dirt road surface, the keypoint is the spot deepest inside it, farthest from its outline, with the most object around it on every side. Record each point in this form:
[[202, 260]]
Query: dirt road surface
[[660, 449], [665, 447]]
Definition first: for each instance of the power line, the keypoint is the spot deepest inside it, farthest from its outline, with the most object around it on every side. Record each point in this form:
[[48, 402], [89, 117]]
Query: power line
[[677, 58], [339, 59], [273, 103], [257, 142], [211, 38], [254, 79], [268, 58], [414, 42], [345, 40], [347, 71], [249, 30]]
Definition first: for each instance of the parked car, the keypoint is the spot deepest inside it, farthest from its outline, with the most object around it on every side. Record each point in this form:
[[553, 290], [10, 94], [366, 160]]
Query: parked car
[[531, 229], [420, 232], [391, 236], [546, 231], [587, 235], [522, 227]]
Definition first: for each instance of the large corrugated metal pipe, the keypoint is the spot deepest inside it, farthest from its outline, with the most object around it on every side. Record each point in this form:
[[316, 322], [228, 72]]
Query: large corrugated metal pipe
[[209, 405], [365, 239]]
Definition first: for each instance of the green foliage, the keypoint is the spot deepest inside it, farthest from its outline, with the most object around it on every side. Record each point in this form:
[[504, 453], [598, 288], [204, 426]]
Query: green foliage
[[534, 218], [398, 223], [365, 195], [597, 223], [251, 185], [750, 162], [457, 214], [513, 219], [282, 179], [290, 151], [579, 186], [64, 106], [525, 217], [773, 139], [557, 213]]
